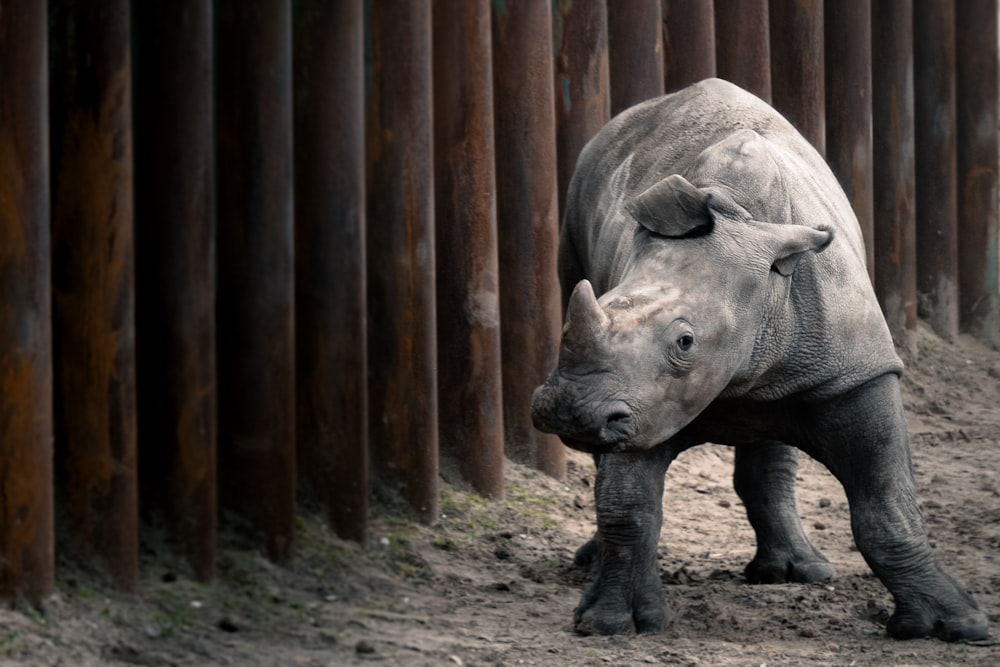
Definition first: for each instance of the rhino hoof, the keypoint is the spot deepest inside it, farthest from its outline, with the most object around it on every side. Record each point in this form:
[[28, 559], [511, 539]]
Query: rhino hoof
[[586, 555], [782, 572], [597, 621], [971, 627]]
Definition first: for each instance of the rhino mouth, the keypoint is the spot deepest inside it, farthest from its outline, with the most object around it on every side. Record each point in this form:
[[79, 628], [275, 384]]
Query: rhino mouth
[[592, 428]]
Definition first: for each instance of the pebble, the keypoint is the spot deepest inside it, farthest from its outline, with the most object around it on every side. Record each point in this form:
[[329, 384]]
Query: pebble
[[364, 647], [226, 625]]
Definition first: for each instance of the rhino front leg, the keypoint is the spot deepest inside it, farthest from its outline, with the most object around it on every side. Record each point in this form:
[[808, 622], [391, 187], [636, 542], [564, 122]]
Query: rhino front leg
[[764, 479], [862, 438], [626, 593]]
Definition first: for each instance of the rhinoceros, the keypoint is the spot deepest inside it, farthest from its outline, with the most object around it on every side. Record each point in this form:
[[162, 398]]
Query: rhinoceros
[[715, 290]]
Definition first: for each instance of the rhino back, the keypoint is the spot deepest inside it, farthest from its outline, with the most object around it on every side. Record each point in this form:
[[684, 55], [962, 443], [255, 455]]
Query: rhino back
[[828, 333]]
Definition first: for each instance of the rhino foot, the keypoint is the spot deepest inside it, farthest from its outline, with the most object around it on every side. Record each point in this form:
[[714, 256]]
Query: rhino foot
[[789, 568], [606, 611], [952, 616], [587, 554]]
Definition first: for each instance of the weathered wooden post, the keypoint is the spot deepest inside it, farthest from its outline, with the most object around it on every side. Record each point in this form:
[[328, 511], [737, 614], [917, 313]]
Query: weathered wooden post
[[978, 207], [937, 164], [797, 85], [848, 52], [468, 286], [583, 100], [527, 220], [742, 45], [255, 279], [175, 271], [894, 170], [26, 533], [331, 345], [635, 52], [93, 279], [688, 42], [400, 240]]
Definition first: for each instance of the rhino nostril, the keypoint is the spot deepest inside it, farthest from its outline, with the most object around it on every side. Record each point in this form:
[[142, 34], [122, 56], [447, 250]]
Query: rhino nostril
[[619, 418], [618, 425]]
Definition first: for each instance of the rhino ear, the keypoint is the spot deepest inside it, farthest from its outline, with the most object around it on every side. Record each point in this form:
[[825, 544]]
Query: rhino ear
[[791, 242], [673, 207]]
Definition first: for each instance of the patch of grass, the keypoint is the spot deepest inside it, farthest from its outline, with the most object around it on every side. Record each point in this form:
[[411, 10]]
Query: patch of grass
[[12, 643]]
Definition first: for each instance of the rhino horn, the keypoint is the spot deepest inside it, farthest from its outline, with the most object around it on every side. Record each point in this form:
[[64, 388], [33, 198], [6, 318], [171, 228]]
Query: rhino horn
[[673, 207], [584, 314]]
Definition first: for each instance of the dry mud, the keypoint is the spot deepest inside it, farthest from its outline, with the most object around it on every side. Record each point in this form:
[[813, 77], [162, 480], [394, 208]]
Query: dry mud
[[491, 583]]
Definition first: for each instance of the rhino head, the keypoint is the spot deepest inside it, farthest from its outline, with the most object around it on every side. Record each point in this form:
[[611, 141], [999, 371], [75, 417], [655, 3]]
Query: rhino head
[[703, 280]]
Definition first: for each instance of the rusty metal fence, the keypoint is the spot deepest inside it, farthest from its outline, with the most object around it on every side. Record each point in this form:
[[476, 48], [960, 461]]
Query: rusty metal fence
[[256, 252]]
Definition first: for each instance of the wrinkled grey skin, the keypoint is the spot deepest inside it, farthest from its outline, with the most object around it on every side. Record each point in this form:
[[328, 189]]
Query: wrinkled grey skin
[[715, 291]]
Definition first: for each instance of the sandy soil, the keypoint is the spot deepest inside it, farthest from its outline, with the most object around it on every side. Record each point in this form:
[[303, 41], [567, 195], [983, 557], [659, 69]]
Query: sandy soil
[[492, 583]]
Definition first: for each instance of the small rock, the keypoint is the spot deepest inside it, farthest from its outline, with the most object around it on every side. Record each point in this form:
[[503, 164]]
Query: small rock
[[503, 553], [725, 503], [808, 632], [364, 647], [227, 625], [825, 502], [819, 525]]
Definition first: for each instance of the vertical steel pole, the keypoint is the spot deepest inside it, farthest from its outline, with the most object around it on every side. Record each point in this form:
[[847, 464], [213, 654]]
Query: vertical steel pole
[[331, 346], [978, 155], [797, 85], [93, 279], [688, 42], [635, 52], [583, 101], [400, 240], [894, 170], [26, 534], [527, 220], [175, 270], [468, 298], [937, 164], [847, 41], [255, 281], [743, 45]]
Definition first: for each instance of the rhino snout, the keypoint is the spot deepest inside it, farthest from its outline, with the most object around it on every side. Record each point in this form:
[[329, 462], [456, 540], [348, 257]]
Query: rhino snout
[[584, 425]]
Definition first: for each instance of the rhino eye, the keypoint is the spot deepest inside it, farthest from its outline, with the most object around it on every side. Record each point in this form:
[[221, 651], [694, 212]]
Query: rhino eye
[[685, 342]]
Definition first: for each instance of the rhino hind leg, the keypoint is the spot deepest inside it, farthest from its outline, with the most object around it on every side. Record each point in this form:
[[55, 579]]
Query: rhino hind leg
[[764, 479], [862, 439]]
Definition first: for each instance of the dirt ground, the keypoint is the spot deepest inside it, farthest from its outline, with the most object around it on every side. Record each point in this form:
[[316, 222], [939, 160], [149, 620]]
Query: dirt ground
[[492, 584]]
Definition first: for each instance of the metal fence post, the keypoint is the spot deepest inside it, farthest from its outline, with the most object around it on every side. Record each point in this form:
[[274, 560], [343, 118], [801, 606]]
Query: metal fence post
[[255, 255], [175, 271], [583, 100], [527, 221], [847, 41], [742, 45], [93, 280], [468, 287], [331, 347], [937, 166], [688, 42], [978, 208], [894, 171], [797, 85], [26, 514], [635, 52], [402, 343]]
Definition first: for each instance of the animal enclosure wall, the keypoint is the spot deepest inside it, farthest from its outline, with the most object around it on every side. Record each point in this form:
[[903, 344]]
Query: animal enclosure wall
[[262, 253]]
